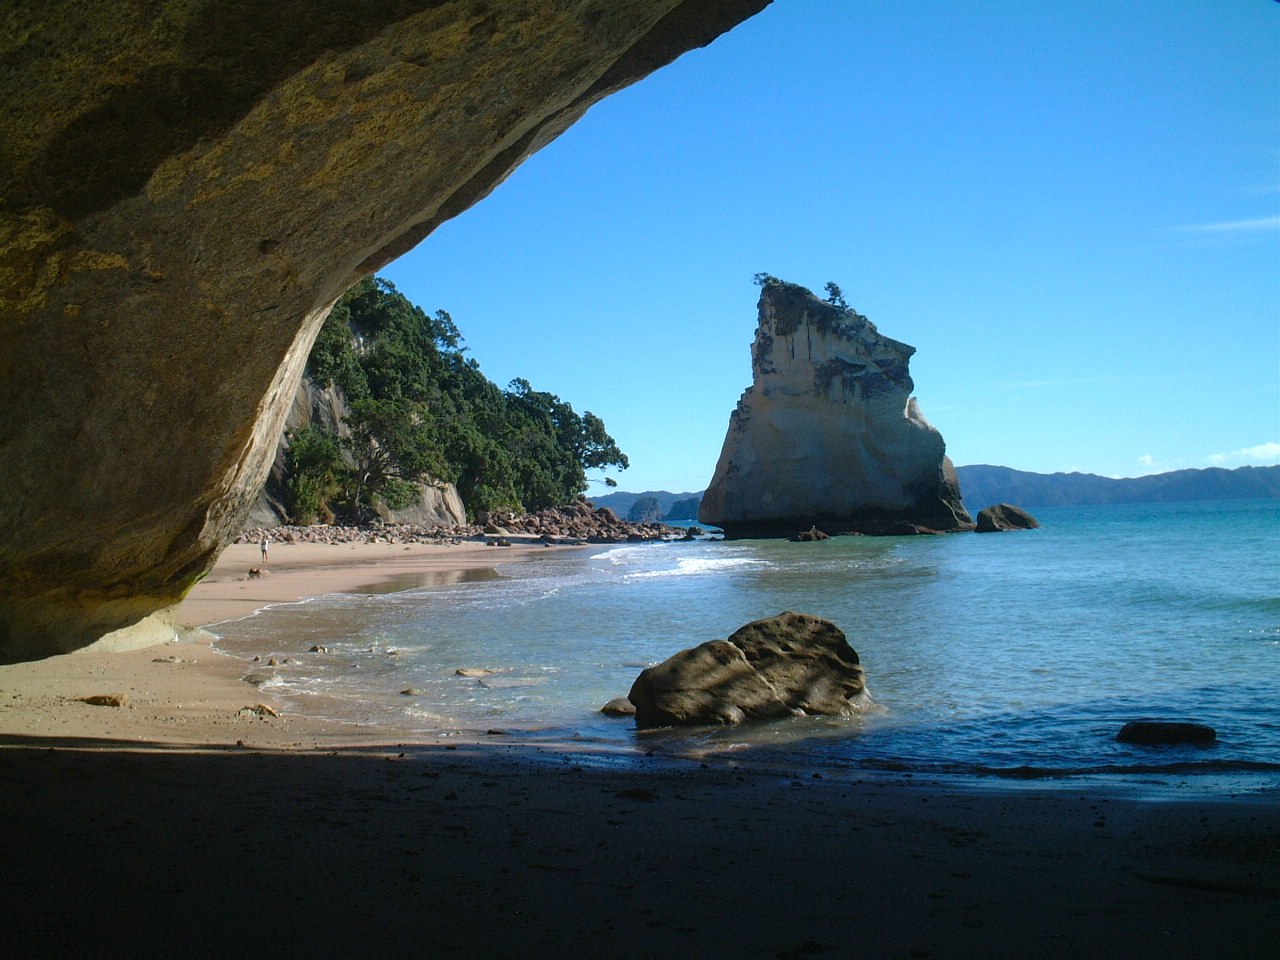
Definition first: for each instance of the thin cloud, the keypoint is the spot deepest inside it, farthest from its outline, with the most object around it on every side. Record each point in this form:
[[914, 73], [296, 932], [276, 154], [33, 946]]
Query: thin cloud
[[1263, 452], [1235, 226]]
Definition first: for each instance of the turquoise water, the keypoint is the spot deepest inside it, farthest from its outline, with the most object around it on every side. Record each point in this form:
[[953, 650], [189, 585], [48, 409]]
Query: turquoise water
[[1015, 654]]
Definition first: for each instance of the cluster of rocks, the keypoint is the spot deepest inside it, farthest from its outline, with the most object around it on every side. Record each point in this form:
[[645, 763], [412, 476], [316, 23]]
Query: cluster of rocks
[[580, 522], [374, 533], [994, 519]]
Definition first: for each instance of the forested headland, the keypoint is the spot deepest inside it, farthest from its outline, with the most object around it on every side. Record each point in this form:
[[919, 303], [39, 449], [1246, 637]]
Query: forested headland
[[421, 410]]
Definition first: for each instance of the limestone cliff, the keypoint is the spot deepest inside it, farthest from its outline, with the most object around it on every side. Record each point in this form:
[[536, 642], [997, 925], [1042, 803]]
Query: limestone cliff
[[326, 407], [828, 433], [186, 187]]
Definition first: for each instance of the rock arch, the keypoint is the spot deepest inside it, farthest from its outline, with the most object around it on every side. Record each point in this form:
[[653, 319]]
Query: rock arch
[[185, 189]]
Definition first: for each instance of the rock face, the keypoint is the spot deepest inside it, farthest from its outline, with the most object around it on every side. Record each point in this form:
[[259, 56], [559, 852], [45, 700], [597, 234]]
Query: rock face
[[782, 666], [686, 509], [185, 190], [326, 408], [828, 433], [312, 405], [1005, 516]]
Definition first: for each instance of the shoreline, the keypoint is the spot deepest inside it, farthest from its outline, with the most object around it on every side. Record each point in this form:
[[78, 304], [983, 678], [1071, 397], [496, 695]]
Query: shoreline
[[299, 571], [324, 836], [186, 693]]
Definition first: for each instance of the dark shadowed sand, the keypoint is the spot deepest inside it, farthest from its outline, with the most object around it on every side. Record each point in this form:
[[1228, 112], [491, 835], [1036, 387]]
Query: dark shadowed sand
[[180, 826]]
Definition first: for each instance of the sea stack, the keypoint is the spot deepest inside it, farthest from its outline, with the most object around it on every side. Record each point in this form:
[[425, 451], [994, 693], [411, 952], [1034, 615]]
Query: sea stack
[[828, 433]]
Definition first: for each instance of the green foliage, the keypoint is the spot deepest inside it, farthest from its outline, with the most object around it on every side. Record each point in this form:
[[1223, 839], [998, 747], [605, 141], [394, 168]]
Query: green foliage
[[315, 467], [423, 410], [835, 295]]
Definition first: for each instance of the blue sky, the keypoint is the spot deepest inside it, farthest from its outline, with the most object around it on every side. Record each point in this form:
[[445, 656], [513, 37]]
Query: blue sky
[[1071, 210]]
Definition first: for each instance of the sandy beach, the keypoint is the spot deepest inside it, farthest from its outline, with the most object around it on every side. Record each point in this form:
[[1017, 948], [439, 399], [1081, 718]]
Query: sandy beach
[[298, 570], [191, 821]]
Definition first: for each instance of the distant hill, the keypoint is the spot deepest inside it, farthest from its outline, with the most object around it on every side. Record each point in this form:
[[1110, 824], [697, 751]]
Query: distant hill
[[621, 503], [983, 485]]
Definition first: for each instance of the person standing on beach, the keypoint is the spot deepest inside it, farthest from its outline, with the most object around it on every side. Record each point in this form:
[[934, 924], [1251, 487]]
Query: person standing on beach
[[265, 545]]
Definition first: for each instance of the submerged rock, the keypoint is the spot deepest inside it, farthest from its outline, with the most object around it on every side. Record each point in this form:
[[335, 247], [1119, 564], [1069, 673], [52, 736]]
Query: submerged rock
[[1004, 516], [1161, 733], [619, 707], [828, 432], [812, 535], [786, 665]]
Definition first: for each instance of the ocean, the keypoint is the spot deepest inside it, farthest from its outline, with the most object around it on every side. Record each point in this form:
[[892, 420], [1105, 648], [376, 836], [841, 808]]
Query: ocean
[[1011, 656]]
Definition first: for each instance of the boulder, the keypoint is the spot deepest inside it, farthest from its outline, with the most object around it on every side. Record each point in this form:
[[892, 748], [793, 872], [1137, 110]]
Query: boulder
[[186, 192], [782, 666], [1162, 733], [828, 431], [619, 707], [1004, 516], [812, 535]]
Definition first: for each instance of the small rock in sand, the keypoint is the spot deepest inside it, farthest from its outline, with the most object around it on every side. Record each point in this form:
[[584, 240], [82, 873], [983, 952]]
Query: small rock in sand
[[258, 710], [106, 700]]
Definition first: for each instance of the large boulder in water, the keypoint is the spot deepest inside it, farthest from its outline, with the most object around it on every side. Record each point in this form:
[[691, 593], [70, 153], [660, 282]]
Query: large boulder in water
[[1005, 516], [790, 664], [828, 432]]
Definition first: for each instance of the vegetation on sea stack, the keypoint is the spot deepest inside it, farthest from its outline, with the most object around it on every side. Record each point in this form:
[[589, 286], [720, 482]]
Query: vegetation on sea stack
[[421, 411]]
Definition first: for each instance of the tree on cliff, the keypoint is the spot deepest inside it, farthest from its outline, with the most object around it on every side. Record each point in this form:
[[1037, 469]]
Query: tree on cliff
[[422, 410]]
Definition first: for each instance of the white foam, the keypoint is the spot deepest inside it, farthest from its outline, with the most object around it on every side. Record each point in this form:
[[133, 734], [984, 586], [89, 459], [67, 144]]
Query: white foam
[[695, 566]]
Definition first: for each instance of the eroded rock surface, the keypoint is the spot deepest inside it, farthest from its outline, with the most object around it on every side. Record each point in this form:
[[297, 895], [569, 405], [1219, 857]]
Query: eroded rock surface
[[828, 433], [185, 189], [782, 666]]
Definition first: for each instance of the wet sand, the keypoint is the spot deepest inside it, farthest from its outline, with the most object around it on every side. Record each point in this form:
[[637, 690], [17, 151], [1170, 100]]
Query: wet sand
[[295, 571], [183, 825]]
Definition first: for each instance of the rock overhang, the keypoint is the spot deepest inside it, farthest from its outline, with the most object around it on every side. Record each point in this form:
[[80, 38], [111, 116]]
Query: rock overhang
[[184, 192]]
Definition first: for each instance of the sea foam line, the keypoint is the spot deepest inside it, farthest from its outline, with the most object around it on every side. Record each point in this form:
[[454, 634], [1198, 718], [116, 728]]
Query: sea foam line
[[693, 566]]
